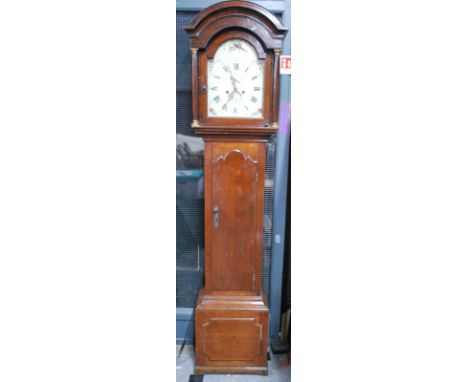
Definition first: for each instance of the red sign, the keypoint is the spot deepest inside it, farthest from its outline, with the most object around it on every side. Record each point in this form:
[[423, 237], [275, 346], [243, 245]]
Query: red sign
[[285, 65]]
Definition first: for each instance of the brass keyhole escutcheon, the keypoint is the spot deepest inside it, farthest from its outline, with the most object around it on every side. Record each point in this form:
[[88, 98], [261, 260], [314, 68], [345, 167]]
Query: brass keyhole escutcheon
[[216, 216]]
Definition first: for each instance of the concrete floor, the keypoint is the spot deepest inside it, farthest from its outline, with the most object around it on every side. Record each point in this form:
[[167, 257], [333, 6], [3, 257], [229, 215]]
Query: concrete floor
[[185, 365]]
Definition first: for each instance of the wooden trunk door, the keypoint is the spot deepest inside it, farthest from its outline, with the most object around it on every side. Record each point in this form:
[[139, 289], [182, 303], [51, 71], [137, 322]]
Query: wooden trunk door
[[234, 216]]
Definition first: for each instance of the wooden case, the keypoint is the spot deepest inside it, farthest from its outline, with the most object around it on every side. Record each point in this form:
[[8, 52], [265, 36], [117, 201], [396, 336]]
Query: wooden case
[[231, 317]]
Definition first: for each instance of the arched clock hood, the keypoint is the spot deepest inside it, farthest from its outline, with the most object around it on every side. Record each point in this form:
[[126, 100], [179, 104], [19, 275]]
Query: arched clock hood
[[240, 15]]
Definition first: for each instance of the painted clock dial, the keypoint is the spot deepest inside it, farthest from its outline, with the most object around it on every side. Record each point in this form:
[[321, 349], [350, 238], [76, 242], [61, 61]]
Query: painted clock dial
[[235, 81]]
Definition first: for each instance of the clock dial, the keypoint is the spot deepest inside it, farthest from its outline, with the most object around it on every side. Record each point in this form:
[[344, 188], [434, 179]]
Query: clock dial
[[235, 81]]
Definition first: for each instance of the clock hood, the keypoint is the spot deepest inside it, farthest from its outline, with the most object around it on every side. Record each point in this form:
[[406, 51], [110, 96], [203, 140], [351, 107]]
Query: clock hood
[[241, 15]]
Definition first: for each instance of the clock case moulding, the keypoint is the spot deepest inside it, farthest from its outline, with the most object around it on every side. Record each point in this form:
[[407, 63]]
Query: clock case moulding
[[232, 316]]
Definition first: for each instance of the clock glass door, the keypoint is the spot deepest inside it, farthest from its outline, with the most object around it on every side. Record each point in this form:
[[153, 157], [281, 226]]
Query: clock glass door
[[235, 81]]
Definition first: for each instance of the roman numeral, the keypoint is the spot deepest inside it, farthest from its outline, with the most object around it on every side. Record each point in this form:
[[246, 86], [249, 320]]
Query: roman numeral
[[254, 78], [214, 88], [217, 77], [226, 68], [246, 108], [253, 99], [216, 99], [247, 69], [224, 107], [257, 88], [236, 66]]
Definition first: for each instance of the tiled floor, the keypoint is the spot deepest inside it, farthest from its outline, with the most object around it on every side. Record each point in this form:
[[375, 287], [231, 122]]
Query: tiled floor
[[276, 371]]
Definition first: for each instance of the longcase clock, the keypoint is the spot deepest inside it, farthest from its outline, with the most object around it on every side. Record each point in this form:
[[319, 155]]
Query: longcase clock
[[235, 80]]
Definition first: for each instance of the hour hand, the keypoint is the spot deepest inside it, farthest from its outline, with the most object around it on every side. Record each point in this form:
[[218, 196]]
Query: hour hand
[[233, 81]]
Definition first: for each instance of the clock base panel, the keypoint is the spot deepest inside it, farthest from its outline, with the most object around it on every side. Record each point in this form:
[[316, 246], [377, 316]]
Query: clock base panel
[[231, 334]]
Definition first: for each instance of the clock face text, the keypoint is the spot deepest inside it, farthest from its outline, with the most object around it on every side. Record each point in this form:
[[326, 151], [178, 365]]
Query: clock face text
[[235, 81]]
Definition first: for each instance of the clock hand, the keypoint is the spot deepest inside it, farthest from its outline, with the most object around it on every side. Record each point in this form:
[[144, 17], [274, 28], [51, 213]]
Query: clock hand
[[233, 81], [230, 96]]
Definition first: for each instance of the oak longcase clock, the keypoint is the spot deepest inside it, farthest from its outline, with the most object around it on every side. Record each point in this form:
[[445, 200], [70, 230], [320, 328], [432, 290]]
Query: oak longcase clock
[[235, 83]]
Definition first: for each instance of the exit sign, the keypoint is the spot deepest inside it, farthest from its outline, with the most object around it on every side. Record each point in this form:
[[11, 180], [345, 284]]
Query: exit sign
[[285, 65]]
